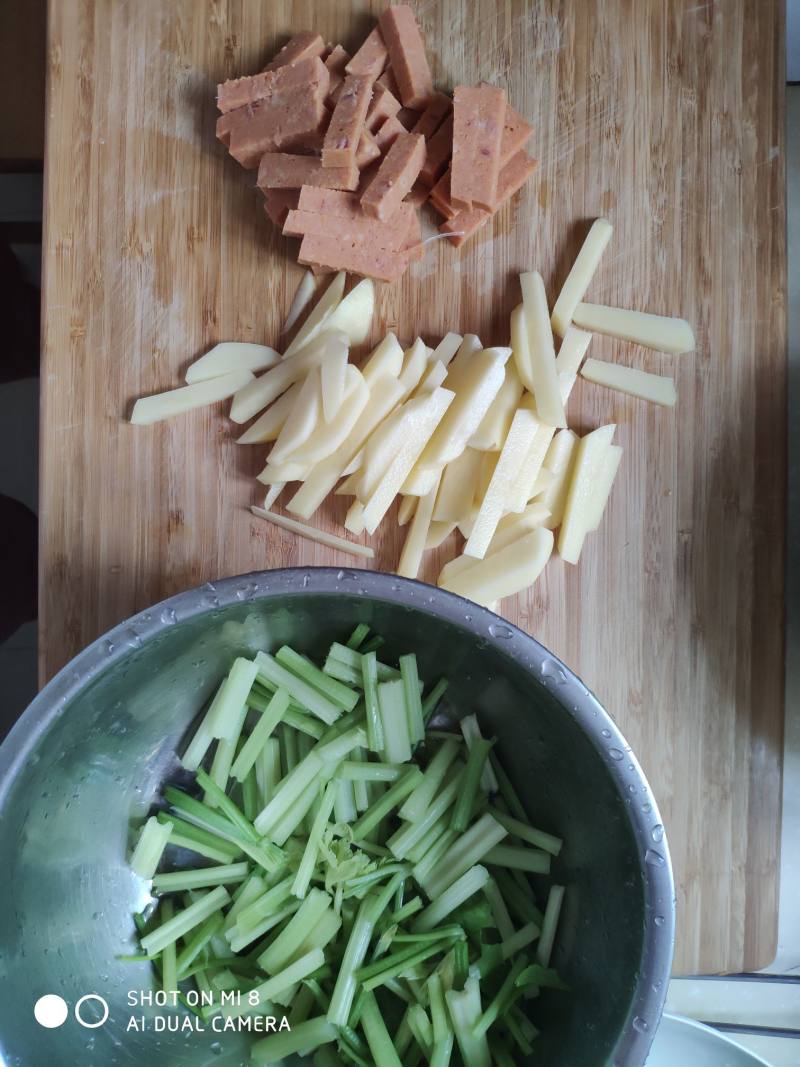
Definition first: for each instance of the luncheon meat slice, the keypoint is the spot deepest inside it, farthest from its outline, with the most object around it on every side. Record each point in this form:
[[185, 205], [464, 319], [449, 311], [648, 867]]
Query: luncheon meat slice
[[370, 59], [336, 62], [302, 46], [478, 121], [439, 147], [384, 106], [358, 257], [390, 235], [279, 170], [368, 150], [513, 176], [395, 177], [278, 203], [347, 122], [516, 133], [409, 63], [433, 116], [388, 133]]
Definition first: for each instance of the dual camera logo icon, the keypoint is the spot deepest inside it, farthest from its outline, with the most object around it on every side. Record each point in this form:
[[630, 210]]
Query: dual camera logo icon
[[52, 1010]]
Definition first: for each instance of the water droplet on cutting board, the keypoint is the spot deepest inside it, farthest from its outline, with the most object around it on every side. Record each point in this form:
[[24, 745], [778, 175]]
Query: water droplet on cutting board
[[503, 632], [655, 859]]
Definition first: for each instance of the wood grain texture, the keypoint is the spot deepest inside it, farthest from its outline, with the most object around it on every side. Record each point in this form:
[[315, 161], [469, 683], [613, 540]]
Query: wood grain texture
[[666, 118]]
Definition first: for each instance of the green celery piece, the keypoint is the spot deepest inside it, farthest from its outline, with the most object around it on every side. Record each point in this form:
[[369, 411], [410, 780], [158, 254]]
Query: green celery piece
[[269, 719], [240, 939], [475, 917], [490, 959], [356, 717], [372, 645], [303, 1003], [288, 792], [344, 989], [397, 963], [403, 1036], [523, 830], [358, 636], [428, 840], [552, 911], [337, 693], [378, 1039], [344, 804], [291, 821], [308, 862], [411, 907], [224, 803], [169, 964], [411, 689], [466, 851], [207, 818], [442, 1051], [431, 701], [462, 812], [301, 691], [353, 661], [352, 1048], [273, 987], [465, 1011], [343, 672], [419, 801], [409, 835], [507, 791], [265, 904], [369, 667], [305, 724], [322, 933], [232, 698], [471, 733], [460, 965], [153, 839], [511, 1023], [519, 902], [220, 769], [451, 930], [498, 908], [421, 1029], [439, 1020], [288, 743], [250, 801], [198, 941], [305, 1037], [180, 925], [356, 771], [283, 949], [335, 750], [471, 882], [502, 999], [268, 770], [522, 859], [399, 989], [541, 977], [204, 734], [200, 878], [387, 803], [422, 868], [394, 722], [519, 940]]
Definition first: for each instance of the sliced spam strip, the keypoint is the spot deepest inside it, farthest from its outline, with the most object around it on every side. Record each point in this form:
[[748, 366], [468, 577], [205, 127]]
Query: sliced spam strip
[[406, 48], [384, 105], [336, 62], [278, 203], [391, 234], [346, 206], [347, 122], [388, 132], [281, 170], [512, 177], [388, 81], [439, 150], [478, 120], [303, 45], [371, 57], [395, 176], [433, 116], [408, 118], [418, 194], [356, 256], [368, 150]]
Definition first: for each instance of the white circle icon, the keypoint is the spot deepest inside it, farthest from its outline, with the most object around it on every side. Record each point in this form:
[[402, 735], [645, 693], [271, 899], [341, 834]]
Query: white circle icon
[[99, 1000], [51, 1011]]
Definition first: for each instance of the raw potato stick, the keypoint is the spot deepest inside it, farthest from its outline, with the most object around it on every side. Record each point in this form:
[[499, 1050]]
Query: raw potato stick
[[504, 573], [574, 345], [406, 48], [534, 351], [149, 409], [478, 115], [653, 387], [230, 356], [581, 274], [414, 546], [395, 176], [302, 298], [579, 507], [653, 331], [322, 536]]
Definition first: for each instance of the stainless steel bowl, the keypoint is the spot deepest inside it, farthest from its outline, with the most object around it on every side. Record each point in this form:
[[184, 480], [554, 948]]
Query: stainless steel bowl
[[92, 752]]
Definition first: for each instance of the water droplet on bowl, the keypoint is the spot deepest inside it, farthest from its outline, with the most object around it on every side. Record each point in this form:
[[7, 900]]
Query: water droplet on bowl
[[306, 580], [657, 986], [503, 632], [640, 1025], [216, 1048], [615, 754], [659, 920], [647, 808], [605, 733], [657, 833], [110, 646], [655, 859], [169, 616]]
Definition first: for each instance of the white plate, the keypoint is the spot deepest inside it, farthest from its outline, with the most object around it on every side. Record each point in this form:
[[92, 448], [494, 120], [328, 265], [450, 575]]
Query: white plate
[[686, 1042]]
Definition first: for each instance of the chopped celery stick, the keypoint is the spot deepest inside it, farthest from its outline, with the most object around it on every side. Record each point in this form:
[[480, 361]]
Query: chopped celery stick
[[255, 742], [227, 806], [439, 1019], [375, 974], [303, 1038], [403, 1036], [344, 804], [521, 859], [335, 750], [412, 832], [466, 851], [502, 999], [198, 941], [378, 1039], [179, 925], [519, 940], [490, 959], [422, 869], [358, 636], [196, 839], [284, 947], [411, 907], [150, 847], [344, 672], [421, 1029], [370, 772], [322, 933], [288, 742], [201, 815], [410, 678], [344, 989], [476, 760], [541, 977], [201, 878], [394, 722], [518, 901], [431, 701], [499, 910], [288, 792], [399, 989], [465, 1011], [442, 1051], [354, 660], [268, 770], [340, 695], [453, 930], [169, 959], [500, 1054], [231, 698], [308, 862], [453, 897], [356, 717], [302, 1005], [421, 798], [296, 814], [513, 1027], [388, 802], [251, 805], [267, 854], [352, 1046], [306, 724], [547, 842], [507, 791], [552, 912], [298, 688], [266, 904], [372, 645], [369, 668], [203, 736], [240, 939], [428, 839], [460, 965], [294, 972], [472, 733], [220, 769]]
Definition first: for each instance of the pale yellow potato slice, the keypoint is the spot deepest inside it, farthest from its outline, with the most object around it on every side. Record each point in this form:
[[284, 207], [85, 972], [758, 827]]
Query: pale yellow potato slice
[[322, 536], [259, 394], [520, 437], [544, 479], [304, 294], [602, 488], [353, 315], [318, 315], [415, 361], [273, 493], [580, 508], [438, 532], [565, 384], [354, 519], [384, 395], [333, 370], [406, 509], [424, 415], [485, 473], [457, 488], [579, 278], [447, 348], [289, 471], [534, 350], [414, 546], [433, 378], [507, 572], [559, 462], [328, 437], [468, 347], [385, 359], [513, 526], [524, 486], [149, 409], [348, 486], [574, 345], [302, 420], [269, 425], [638, 383], [661, 332], [379, 451], [229, 356], [495, 424]]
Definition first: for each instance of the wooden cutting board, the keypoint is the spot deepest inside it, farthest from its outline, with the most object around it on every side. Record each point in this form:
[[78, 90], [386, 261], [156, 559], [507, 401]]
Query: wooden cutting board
[[667, 119]]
